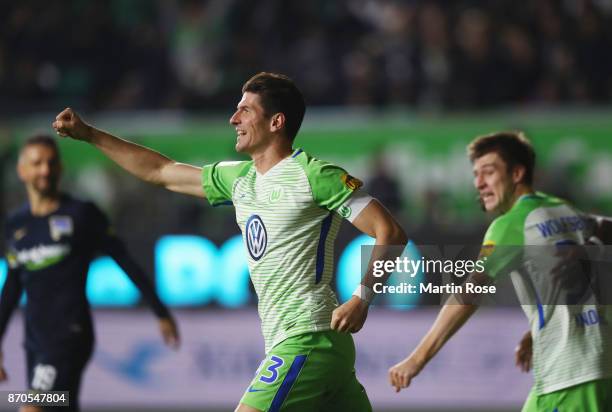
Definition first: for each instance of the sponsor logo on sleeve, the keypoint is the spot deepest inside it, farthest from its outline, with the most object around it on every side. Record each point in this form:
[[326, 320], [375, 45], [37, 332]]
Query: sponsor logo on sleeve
[[351, 182], [487, 249]]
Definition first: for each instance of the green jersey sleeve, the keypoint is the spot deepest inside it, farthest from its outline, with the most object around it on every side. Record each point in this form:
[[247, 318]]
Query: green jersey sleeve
[[502, 245], [218, 180], [331, 185]]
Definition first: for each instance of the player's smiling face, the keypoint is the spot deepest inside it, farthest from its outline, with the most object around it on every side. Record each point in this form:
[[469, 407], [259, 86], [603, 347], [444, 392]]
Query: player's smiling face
[[251, 124], [39, 168], [494, 183]]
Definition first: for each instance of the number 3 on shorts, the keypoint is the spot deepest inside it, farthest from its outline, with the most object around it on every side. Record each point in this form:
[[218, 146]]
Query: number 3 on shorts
[[277, 363]]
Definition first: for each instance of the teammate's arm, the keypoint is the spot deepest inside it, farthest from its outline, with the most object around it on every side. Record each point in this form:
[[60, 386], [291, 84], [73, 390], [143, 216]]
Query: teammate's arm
[[375, 221], [11, 293], [450, 319], [142, 162], [456, 311]]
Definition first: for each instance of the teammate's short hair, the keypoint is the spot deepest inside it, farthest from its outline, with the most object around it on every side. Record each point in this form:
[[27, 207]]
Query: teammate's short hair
[[513, 147], [278, 94], [43, 140]]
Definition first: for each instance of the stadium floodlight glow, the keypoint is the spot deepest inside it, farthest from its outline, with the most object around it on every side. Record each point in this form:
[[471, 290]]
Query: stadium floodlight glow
[[351, 271], [233, 289], [108, 285], [406, 301], [186, 269], [3, 274], [192, 271]]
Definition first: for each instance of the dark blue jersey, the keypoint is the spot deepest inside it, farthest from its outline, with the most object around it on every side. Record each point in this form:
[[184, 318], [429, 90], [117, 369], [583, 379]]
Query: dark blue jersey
[[48, 258]]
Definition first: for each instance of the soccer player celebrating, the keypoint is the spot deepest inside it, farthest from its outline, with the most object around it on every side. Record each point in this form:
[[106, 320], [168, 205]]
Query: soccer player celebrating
[[288, 207], [50, 243], [572, 359]]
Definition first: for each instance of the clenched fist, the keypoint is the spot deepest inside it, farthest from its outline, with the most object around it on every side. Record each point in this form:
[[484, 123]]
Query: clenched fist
[[401, 374], [68, 123], [350, 316]]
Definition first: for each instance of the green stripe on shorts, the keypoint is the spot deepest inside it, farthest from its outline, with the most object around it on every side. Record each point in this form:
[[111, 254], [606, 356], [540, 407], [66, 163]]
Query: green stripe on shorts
[[593, 396], [309, 372]]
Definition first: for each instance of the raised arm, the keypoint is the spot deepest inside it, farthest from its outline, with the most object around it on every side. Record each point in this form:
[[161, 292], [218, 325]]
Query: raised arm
[[142, 162]]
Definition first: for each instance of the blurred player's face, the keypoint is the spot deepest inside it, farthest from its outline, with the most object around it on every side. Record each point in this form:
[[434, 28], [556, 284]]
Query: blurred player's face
[[252, 125], [494, 183], [39, 168]]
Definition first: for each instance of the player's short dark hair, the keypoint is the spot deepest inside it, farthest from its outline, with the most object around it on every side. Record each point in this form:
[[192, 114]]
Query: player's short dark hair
[[513, 147], [43, 140], [279, 94]]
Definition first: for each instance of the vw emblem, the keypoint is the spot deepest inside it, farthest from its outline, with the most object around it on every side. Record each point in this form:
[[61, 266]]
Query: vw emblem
[[256, 237]]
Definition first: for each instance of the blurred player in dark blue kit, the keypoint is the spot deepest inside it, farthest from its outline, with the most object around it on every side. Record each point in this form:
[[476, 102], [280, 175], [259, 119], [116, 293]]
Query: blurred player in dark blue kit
[[50, 243]]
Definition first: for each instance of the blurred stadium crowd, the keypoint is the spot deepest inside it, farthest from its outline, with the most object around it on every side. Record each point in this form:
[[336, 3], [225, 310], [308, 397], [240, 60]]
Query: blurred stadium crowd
[[464, 54], [194, 55]]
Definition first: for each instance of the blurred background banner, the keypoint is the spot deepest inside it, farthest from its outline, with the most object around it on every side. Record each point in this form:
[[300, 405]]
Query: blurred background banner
[[415, 165], [221, 351], [395, 91]]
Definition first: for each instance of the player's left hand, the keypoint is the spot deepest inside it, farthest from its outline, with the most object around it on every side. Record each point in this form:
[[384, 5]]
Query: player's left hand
[[169, 332], [350, 316], [401, 374]]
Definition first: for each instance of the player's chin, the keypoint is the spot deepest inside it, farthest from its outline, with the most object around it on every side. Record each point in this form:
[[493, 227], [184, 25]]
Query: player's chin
[[489, 206], [45, 188], [240, 148]]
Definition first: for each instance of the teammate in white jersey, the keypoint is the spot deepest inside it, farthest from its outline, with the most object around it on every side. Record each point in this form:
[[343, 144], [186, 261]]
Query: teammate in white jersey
[[288, 206], [571, 343]]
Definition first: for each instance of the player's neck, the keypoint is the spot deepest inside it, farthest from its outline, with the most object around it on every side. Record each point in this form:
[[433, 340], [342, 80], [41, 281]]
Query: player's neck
[[270, 156], [520, 191], [42, 205]]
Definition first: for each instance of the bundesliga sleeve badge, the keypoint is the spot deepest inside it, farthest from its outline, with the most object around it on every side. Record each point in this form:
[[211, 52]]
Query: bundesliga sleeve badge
[[351, 182]]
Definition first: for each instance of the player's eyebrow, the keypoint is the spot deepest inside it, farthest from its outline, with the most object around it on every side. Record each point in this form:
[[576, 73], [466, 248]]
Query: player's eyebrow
[[484, 166]]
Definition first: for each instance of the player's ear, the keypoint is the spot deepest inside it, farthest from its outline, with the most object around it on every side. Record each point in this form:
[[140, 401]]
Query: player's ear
[[518, 173], [21, 172], [277, 122]]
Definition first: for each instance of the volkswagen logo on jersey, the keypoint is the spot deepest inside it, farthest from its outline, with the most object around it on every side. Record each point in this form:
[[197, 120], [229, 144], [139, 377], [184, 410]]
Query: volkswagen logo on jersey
[[256, 237]]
